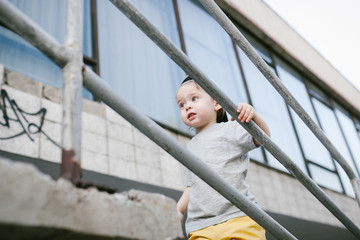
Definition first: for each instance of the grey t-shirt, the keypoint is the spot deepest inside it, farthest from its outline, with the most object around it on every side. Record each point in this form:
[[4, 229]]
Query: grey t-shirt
[[223, 147]]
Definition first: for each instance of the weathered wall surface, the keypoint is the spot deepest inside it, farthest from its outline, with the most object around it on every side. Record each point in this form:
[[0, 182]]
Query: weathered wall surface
[[31, 199], [111, 146]]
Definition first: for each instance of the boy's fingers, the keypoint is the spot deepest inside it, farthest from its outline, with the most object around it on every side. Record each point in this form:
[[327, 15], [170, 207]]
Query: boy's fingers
[[241, 114], [251, 115], [239, 108]]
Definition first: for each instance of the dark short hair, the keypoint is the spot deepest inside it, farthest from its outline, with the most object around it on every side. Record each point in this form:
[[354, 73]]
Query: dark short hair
[[187, 78], [220, 114]]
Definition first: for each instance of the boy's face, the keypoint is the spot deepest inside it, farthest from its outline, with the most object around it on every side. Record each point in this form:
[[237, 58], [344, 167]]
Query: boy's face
[[197, 108]]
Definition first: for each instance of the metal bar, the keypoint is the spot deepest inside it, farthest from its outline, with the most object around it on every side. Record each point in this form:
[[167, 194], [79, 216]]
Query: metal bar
[[19, 23], [157, 134], [257, 60], [184, 62], [72, 93]]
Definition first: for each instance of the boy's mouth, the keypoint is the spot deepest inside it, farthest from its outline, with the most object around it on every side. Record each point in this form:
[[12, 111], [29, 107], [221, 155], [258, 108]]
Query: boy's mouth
[[191, 116]]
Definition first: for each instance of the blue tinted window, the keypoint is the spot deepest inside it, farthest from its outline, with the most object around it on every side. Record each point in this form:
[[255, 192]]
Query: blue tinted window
[[18, 55], [271, 106], [333, 132], [325, 178], [133, 65], [211, 49], [312, 147]]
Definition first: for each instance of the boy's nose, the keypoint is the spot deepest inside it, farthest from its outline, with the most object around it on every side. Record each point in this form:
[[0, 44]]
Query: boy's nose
[[188, 106]]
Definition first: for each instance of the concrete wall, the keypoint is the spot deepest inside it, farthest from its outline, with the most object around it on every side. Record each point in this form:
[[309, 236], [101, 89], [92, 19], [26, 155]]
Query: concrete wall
[[37, 207], [110, 145], [267, 25]]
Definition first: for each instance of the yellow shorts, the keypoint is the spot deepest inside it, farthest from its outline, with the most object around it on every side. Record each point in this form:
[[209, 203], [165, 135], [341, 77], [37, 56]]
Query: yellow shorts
[[240, 228]]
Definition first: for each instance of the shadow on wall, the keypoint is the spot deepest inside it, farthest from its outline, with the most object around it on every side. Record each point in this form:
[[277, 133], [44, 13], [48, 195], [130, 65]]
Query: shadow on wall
[[307, 230]]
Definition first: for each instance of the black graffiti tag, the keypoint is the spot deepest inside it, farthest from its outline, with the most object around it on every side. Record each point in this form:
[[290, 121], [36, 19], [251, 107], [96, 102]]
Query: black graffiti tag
[[21, 117]]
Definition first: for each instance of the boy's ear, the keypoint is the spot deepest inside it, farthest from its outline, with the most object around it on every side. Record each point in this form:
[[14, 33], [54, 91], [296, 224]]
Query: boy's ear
[[217, 106]]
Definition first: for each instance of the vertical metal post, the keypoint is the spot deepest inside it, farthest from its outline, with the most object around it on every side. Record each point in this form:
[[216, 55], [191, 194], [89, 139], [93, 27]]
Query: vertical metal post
[[72, 93]]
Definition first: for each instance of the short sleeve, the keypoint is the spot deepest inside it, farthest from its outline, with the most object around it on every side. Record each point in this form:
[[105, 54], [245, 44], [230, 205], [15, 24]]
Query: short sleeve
[[243, 137]]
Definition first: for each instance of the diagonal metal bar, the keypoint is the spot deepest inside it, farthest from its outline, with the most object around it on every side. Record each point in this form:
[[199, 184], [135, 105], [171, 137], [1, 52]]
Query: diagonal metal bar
[[157, 134], [184, 62], [29, 30], [257, 60]]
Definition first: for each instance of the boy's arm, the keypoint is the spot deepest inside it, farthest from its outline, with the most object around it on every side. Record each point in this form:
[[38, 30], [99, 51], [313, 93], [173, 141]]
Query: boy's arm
[[262, 124], [183, 202]]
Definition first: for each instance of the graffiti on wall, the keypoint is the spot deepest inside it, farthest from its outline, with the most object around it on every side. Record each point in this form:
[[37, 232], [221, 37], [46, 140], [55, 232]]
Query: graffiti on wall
[[13, 115]]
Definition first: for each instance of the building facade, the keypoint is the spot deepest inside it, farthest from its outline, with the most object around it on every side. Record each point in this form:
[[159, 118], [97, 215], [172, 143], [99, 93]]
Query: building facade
[[141, 73]]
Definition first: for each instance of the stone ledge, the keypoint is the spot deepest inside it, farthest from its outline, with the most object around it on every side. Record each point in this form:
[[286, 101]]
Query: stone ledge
[[31, 200], [25, 84]]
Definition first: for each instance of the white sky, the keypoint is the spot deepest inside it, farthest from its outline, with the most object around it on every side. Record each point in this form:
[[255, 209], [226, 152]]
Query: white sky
[[330, 26]]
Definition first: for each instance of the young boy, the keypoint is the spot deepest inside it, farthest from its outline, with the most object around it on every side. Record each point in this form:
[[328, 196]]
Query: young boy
[[222, 146]]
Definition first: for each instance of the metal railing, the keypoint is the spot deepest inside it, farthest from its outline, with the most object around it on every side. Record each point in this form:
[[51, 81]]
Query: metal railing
[[68, 57]]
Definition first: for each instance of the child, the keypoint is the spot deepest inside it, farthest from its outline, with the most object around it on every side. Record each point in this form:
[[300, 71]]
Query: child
[[222, 146]]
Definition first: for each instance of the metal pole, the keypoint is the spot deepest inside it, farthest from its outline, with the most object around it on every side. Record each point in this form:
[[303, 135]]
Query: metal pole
[[257, 60], [29, 30], [148, 127], [72, 93], [184, 62]]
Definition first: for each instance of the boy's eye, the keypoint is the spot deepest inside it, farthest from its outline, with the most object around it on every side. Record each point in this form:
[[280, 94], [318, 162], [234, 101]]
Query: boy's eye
[[194, 99], [181, 105]]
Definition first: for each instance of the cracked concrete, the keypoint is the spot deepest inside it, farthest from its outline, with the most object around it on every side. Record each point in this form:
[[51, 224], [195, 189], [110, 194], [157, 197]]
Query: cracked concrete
[[32, 200]]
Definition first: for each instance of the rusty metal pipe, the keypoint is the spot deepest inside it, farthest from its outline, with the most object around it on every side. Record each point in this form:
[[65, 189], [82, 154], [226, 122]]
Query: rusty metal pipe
[[72, 93]]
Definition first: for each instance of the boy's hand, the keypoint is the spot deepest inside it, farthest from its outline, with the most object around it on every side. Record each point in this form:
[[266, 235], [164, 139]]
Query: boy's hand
[[246, 112]]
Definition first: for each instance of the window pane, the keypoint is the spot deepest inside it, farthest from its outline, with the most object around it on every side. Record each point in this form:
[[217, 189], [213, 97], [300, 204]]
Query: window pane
[[333, 132], [350, 133], [18, 55], [211, 49], [313, 148], [133, 65], [271, 106], [325, 178], [87, 47]]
